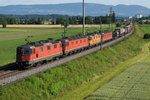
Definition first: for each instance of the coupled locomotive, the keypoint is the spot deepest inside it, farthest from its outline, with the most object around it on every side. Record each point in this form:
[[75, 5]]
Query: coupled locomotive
[[34, 53]]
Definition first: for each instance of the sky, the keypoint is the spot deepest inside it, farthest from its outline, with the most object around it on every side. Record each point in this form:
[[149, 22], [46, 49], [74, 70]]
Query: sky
[[145, 3]]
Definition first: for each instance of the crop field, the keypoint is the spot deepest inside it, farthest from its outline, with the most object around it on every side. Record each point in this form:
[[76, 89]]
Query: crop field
[[10, 38], [132, 84]]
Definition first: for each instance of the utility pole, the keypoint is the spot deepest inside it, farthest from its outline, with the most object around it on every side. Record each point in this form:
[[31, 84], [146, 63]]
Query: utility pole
[[114, 19], [101, 34], [64, 29], [111, 12], [109, 24], [83, 17], [100, 25]]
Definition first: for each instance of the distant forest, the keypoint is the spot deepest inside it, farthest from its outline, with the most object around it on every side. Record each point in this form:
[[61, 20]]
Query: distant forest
[[35, 16], [55, 19]]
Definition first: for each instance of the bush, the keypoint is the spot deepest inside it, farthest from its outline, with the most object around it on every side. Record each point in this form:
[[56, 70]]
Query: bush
[[146, 36], [141, 22], [147, 22], [118, 24]]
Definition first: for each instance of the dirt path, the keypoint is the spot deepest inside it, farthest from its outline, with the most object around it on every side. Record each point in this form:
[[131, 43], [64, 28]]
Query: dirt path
[[50, 26]]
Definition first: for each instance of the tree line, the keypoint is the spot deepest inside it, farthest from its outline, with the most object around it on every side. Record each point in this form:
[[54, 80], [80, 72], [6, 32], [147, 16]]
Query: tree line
[[144, 20], [60, 20], [88, 20]]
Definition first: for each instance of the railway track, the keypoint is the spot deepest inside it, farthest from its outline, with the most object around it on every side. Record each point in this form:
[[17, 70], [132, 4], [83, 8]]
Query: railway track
[[11, 74]]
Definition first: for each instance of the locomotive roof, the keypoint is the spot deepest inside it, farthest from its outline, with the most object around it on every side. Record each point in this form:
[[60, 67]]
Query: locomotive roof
[[39, 43], [50, 40], [95, 33], [105, 31]]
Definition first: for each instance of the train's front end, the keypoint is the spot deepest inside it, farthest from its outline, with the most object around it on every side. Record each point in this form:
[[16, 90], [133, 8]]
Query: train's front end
[[24, 55]]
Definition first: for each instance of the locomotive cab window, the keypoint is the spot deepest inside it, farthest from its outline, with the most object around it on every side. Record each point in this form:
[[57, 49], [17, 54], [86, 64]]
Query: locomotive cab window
[[84, 40], [48, 48], [19, 51], [55, 46], [41, 49], [27, 51], [33, 51]]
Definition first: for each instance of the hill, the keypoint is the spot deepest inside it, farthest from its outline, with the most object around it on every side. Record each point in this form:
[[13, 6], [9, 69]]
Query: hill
[[74, 9]]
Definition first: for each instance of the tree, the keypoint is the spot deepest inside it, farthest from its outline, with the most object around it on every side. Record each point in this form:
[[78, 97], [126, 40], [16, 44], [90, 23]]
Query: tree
[[4, 23], [71, 21], [66, 23], [141, 22], [25, 21], [39, 21], [12, 21], [106, 20], [32, 21], [75, 20], [97, 20], [146, 36], [80, 20], [118, 24], [113, 17], [62, 21], [88, 20], [53, 21]]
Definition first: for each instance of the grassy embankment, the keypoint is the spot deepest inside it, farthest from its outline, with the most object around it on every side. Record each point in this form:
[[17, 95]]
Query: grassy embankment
[[132, 83], [75, 77]]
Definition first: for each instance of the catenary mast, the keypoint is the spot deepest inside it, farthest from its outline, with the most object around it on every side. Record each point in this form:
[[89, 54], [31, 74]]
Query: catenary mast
[[83, 17]]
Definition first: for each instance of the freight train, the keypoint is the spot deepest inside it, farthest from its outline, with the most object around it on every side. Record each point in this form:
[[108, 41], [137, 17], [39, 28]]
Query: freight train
[[35, 53]]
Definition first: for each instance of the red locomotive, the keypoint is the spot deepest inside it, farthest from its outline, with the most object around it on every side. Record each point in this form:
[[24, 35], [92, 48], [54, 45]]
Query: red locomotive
[[74, 44], [35, 52], [107, 36]]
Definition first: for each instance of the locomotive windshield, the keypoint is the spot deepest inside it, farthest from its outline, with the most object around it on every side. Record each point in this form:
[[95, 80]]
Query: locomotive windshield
[[27, 51], [19, 51]]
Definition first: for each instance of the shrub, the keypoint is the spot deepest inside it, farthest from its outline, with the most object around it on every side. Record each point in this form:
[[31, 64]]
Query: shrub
[[146, 36], [118, 24], [147, 22]]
